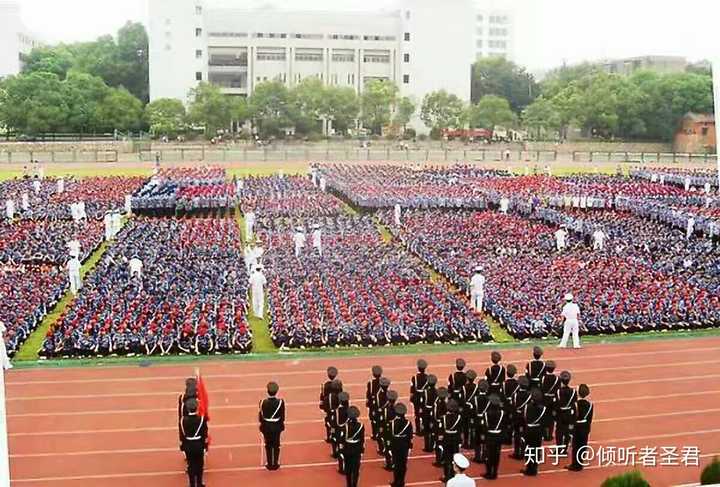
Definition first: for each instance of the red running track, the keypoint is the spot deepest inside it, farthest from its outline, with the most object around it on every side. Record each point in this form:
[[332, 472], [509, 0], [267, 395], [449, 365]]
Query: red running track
[[116, 426]]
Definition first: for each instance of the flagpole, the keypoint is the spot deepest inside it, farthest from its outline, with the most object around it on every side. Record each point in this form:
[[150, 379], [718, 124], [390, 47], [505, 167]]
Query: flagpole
[[4, 452]]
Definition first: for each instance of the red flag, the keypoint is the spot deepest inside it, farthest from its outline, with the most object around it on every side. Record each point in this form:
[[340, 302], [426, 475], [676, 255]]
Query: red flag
[[203, 399]]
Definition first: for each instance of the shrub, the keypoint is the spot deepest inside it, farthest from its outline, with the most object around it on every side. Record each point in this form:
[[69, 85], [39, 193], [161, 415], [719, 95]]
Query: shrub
[[711, 474], [629, 479]]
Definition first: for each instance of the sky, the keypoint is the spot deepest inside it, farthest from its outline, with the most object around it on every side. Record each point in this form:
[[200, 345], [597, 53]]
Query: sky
[[548, 32]]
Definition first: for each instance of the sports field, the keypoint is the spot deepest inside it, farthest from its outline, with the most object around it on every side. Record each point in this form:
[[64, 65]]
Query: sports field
[[113, 421]]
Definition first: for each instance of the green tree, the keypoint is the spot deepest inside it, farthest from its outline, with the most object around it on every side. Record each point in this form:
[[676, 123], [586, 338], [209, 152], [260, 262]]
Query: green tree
[[376, 103], [503, 78], [541, 115], [83, 94], [271, 108], [57, 60], [490, 111], [558, 79], [120, 110], [308, 105], [122, 63], [165, 116], [441, 110], [342, 106], [33, 103], [131, 68], [404, 111]]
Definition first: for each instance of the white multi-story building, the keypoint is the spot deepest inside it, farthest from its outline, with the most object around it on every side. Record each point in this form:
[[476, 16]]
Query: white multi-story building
[[15, 41], [494, 31], [420, 46]]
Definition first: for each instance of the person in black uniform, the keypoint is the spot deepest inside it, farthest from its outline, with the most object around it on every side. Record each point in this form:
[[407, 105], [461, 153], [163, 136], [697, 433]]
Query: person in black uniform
[[332, 373], [272, 423], [535, 415], [352, 446], [494, 420], [429, 396], [467, 399], [495, 374], [194, 442], [549, 386], [457, 380], [438, 413], [190, 393], [373, 386], [520, 401], [449, 437], [479, 407], [583, 423], [337, 421], [510, 387], [330, 403], [565, 400], [401, 436], [418, 383], [378, 402], [535, 369], [387, 414]]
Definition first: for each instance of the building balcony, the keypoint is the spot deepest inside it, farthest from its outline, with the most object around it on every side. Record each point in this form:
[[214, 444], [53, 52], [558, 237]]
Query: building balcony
[[226, 69]]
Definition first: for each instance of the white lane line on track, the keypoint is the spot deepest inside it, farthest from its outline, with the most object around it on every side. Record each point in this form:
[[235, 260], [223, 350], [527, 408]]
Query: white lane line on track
[[276, 374], [309, 421], [316, 387], [334, 463], [134, 411]]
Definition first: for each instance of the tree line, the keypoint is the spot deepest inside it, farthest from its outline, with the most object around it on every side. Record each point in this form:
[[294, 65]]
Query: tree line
[[102, 86]]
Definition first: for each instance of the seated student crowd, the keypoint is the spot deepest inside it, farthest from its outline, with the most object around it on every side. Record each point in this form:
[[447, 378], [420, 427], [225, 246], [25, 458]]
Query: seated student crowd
[[356, 290], [27, 293], [27, 241], [276, 196], [189, 298], [527, 276]]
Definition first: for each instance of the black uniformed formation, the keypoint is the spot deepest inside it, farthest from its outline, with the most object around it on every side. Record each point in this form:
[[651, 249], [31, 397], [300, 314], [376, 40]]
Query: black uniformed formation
[[480, 416], [193, 432]]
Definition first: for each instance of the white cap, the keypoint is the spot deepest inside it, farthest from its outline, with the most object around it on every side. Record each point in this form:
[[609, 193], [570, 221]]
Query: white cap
[[478, 268], [568, 297], [460, 460]]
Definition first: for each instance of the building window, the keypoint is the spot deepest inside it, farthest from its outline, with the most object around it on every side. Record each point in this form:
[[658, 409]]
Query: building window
[[498, 32], [168, 21], [704, 130], [406, 78], [479, 43], [198, 10], [479, 31], [198, 54], [198, 76], [343, 56], [407, 36], [407, 15], [168, 47], [406, 57], [198, 32], [479, 18]]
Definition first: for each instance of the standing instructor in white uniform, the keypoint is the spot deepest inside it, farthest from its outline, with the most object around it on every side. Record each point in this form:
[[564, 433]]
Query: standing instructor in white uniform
[[477, 290], [571, 317]]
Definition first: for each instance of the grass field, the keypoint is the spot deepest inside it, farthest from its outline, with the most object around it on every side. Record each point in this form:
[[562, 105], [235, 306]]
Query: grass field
[[263, 348]]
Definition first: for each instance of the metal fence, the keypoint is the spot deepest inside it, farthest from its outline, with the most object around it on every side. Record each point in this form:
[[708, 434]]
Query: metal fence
[[643, 157], [330, 154], [299, 153]]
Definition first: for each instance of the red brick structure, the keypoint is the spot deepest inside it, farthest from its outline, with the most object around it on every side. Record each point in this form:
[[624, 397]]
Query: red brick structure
[[696, 134]]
